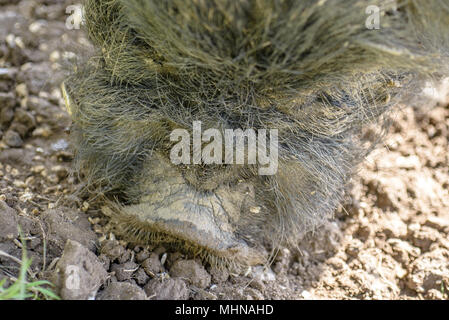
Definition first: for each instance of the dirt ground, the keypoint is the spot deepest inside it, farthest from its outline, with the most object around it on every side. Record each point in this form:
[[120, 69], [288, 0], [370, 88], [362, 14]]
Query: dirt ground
[[389, 241]]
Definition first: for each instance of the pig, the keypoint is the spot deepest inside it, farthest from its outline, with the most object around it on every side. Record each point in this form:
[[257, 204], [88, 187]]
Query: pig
[[321, 76]]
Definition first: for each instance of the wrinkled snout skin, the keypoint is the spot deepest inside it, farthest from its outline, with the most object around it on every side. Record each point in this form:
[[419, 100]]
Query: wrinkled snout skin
[[318, 72], [175, 211]]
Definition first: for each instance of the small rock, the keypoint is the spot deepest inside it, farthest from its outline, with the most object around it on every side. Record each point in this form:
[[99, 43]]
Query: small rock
[[55, 56], [365, 230], [434, 294], [20, 128], [254, 294], [52, 178], [160, 250], [152, 265], [8, 74], [306, 295], [424, 237], [142, 256], [172, 258], [26, 118], [64, 156], [12, 139], [66, 224], [126, 256], [410, 162], [192, 271], [437, 223], [19, 184], [384, 200], [112, 249], [124, 271], [36, 77], [16, 157], [22, 90], [204, 295], [122, 291], [43, 131], [141, 277], [8, 222], [105, 261], [354, 248], [393, 226], [78, 274], [6, 115], [429, 271], [403, 252], [37, 26], [336, 263], [257, 284], [60, 171], [219, 275], [169, 289], [60, 145], [7, 100], [39, 105]]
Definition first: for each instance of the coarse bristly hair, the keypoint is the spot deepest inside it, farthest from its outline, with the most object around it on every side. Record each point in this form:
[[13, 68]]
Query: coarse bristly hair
[[309, 68]]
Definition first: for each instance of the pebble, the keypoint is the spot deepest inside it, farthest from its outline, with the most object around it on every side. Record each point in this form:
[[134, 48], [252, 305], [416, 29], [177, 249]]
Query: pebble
[[43, 131], [152, 265], [3, 72], [124, 271], [78, 274], [193, 271], [122, 291], [13, 139], [22, 90], [437, 223], [168, 289], [8, 221], [60, 145]]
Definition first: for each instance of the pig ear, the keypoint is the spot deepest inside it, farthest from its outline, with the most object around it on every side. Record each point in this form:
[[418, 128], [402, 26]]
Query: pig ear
[[67, 99]]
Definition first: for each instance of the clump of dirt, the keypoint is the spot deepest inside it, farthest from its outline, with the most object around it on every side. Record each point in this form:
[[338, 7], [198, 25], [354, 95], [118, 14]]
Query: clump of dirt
[[389, 241], [78, 274]]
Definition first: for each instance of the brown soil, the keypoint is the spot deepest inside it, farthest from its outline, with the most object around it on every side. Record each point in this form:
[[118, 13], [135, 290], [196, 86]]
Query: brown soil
[[389, 241]]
